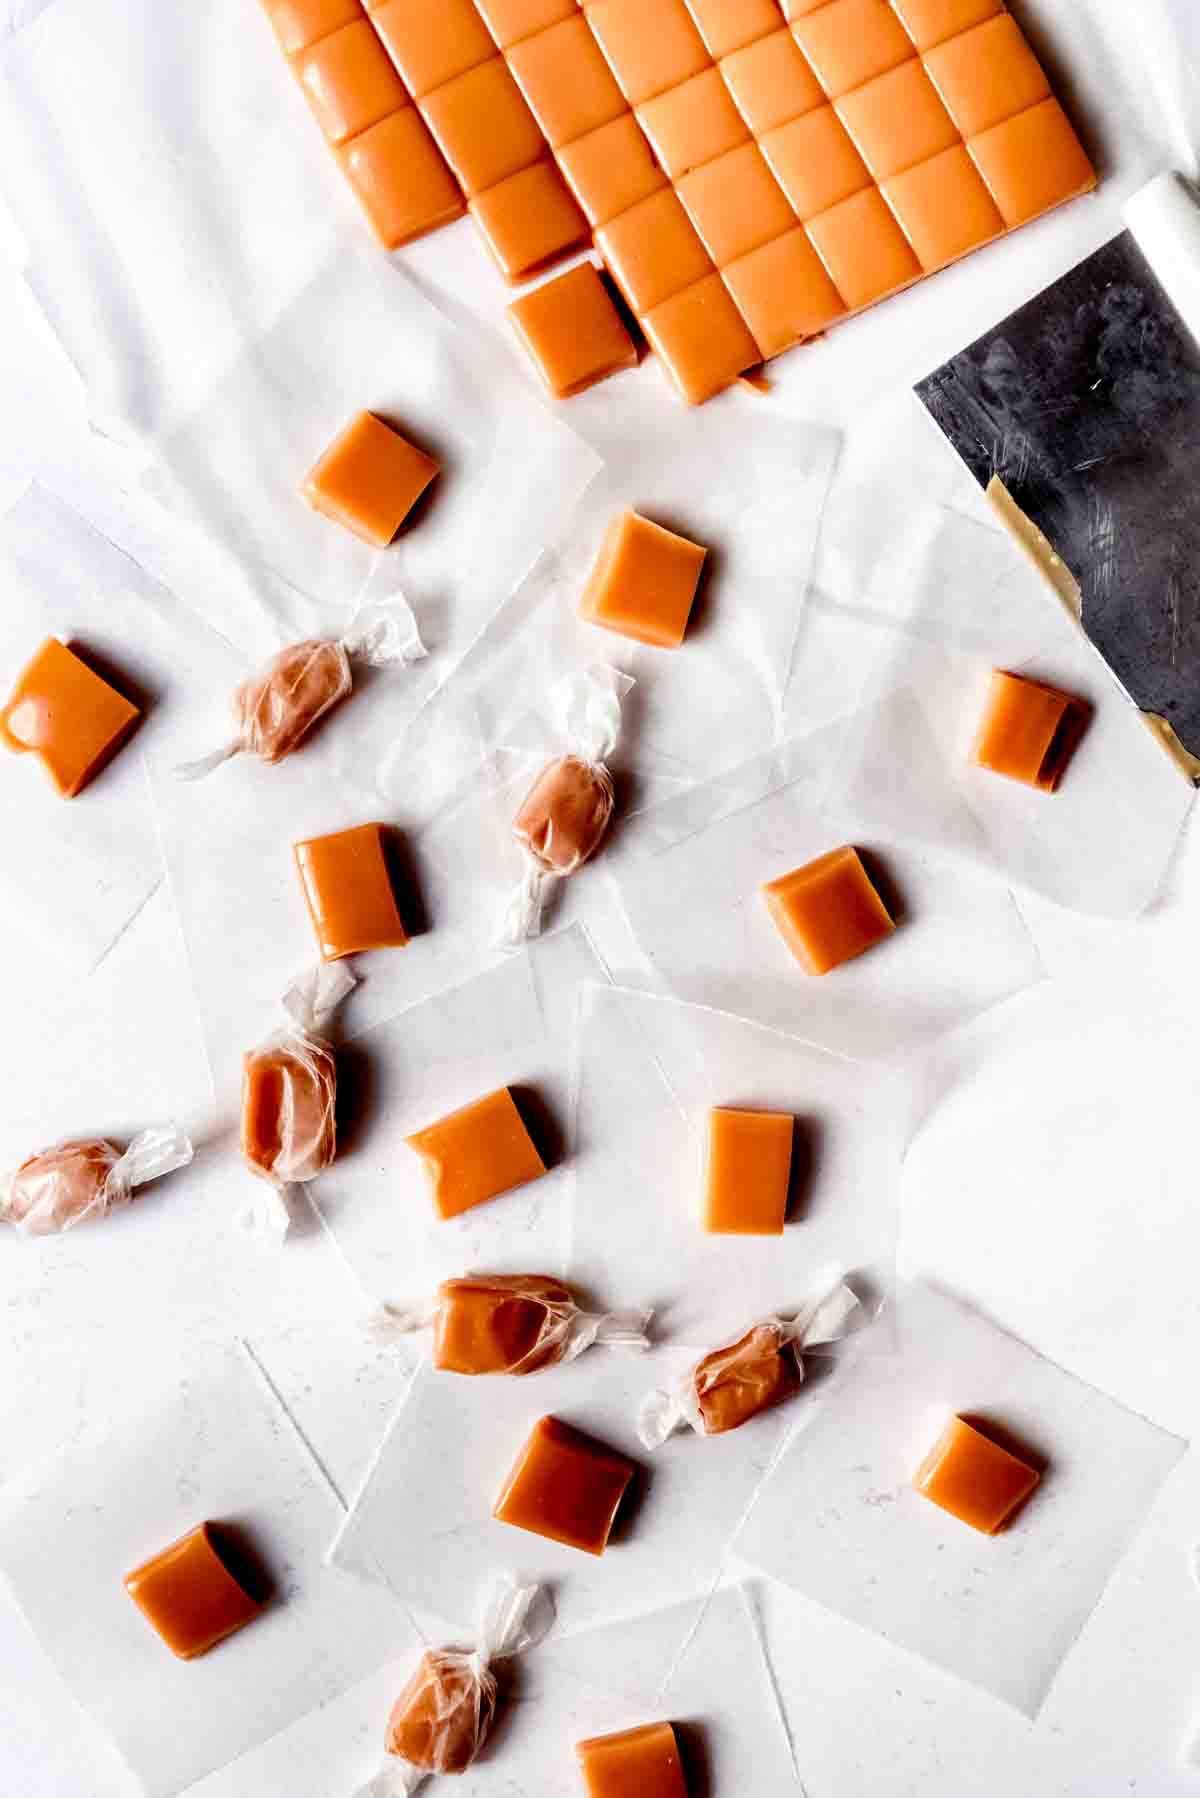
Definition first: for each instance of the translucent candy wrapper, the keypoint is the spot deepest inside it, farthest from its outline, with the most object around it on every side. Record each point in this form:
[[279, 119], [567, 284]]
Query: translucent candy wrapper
[[563, 818], [1000, 1612], [289, 1096], [441, 1719], [737, 1381], [275, 710], [529, 1321], [82, 1181]]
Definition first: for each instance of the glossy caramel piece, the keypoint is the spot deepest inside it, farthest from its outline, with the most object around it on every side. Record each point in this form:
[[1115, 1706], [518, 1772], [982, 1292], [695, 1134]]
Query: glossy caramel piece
[[814, 161], [529, 221], [691, 124], [348, 81], [943, 208], [58, 1186], [369, 479], [651, 45], [442, 1716], [863, 248], [483, 127], [497, 1324], [189, 1595], [644, 581], [930, 22], [1032, 162], [748, 1165], [289, 1110], [299, 23], [275, 710], [509, 21], [897, 121], [633, 1763], [827, 912], [736, 204], [973, 1478], [653, 251], [432, 41], [735, 1383], [771, 82], [783, 292], [476, 1153], [574, 334], [849, 42], [401, 181], [566, 1486], [563, 817], [611, 169], [1029, 730], [702, 340], [566, 82], [987, 75], [348, 889], [726, 25], [67, 715]]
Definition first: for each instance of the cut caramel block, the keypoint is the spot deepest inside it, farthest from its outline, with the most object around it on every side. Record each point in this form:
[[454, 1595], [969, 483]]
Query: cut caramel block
[[736, 204], [691, 124], [943, 208], [771, 82], [511, 20], [701, 339], [897, 120], [863, 248], [573, 332], [189, 1596], [651, 45], [987, 75], [653, 251], [566, 1486], [1032, 162], [827, 912], [529, 221], [814, 161], [299, 23], [566, 82], [849, 42], [973, 1478], [783, 292], [611, 169], [67, 715], [477, 1153], [633, 1763], [348, 890], [1029, 731], [483, 127], [747, 1169], [369, 480], [348, 81], [432, 41], [644, 582], [727, 25], [930, 22], [402, 183]]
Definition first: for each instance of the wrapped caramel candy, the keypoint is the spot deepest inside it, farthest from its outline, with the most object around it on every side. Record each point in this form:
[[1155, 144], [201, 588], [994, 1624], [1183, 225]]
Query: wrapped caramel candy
[[275, 710], [289, 1095], [441, 1719], [86, 1178], [564, 816], [735, 1382], [509, 1324]]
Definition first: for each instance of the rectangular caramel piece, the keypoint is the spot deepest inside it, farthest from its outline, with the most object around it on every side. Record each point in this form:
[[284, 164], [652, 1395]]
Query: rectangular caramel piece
[[67, 715], [573, 332], [369, 479], [644, 581], [1029, 730], [973, 1478], [189, 1595], [566, 1486], [828, 911], [476, 1153], [348, 889], [748, 1165], [633, 1763]]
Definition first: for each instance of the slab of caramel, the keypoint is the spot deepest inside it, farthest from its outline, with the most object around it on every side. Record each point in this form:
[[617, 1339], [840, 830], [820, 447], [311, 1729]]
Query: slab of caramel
[[644, 581], [633, 1763], [349, 81], [827, 912], [563, 817], [369, 479], [443, 1714], [70, 718], [495, 1323], [747, 1168], [477, 1153], [288, 1121], [529, 221], [1028, 731], [189, 1596], [973, 1478], [574, 334], [735, 1383], [348, 889], [566, 1486]]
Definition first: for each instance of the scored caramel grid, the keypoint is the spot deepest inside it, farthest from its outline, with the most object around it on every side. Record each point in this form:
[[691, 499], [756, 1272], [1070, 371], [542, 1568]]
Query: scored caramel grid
[[752, 173]]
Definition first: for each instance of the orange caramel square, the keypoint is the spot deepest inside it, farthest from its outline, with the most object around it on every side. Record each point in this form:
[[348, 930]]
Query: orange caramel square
[[476, 1153], [815, 162], [783, 292], [653, 251], [701, 339], [299, 23], [863, 248], [402, 183], [188, 1594], [736, 204], [771, 82], [1029, 730], [67, 715], [348, 81], [943, 208], [851, 41], [973, 1478], [529, 221], [483, 127], [611, 169], [930, 22], [369, 479], [727, 25], [432, 41], [828, 912], [511, 20], [747, 1168], [573, 332], [644, 581], [987, 75], [565, 1486], [692, 123], [566, 82], [1032, 162], [633, 1763], [348, 889], [651, 45], [897, 120]]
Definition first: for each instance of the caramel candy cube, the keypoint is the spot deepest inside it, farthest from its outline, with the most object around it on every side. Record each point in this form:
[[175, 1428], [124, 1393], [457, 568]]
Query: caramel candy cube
[[849, 42], [348, 890], [494, 1324], [783, 293], [693, 123], [736, 204], [930, 22], [701, 339], [67, 715], [1029, 730], [476, 1153], [276, 710], [563, 817], [814, 161], [432, 41], [402, 183], [289, 1115], [483, 127], [827, 912], [973, 1478], [299, 23], [863, 248], [611, 170], [190, 1596], [653, 251], [633, 1763], [529, 221], [1032, 162], [735, 1383], [566, 82], [443, 1714], [943, 207], [747, 1169], [566, 1486], [369, 480], [772, 82], [651, 45], [726, 25], [644, 582], [348, 81], [511, 20], [987, 75], [573, 332]]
